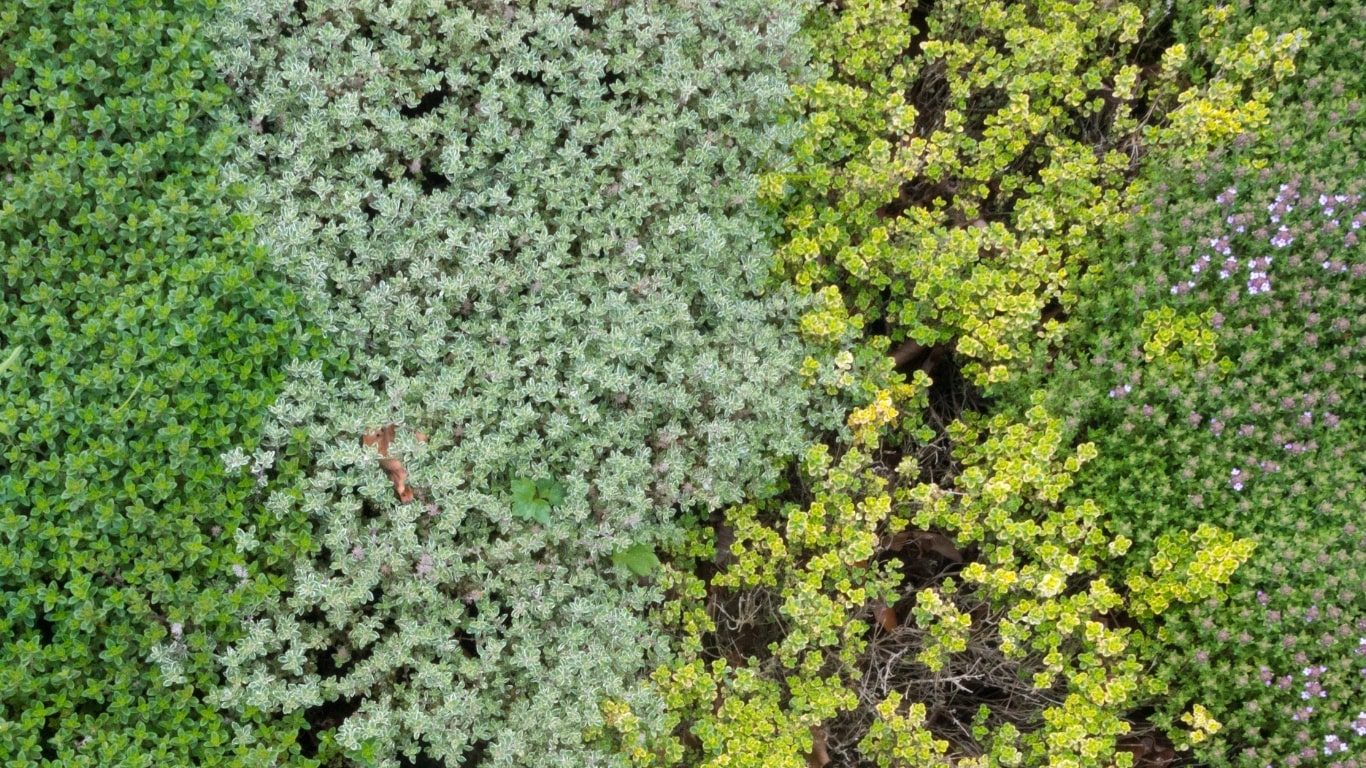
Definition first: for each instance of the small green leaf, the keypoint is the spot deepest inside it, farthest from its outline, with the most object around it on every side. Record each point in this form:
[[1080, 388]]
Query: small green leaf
[[640, 558], [13, 356]]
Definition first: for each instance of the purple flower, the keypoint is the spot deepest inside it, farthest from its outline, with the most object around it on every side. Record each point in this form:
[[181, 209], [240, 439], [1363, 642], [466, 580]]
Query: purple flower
[[1306, 419], [1235, 478], [1333, 744], [1282, 237]]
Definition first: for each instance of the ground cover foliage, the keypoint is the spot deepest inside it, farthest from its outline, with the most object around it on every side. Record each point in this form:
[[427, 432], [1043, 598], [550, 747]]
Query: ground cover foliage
[[533, 228], [476, 399], [931, 598], [143, 333], [1218, 367]]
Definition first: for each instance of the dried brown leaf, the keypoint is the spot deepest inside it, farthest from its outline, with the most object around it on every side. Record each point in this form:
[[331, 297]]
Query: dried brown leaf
[[819, 756], [939, 544], [885, 616], [393, 467], [926, 541]]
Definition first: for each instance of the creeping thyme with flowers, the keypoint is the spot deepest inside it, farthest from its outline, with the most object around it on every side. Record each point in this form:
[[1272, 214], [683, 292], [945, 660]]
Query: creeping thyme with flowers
[[501, 384]]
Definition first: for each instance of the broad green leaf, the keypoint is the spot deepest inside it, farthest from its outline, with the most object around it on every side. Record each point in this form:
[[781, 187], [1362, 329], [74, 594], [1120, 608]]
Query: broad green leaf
[[523, 489], [551, 491], [640, 558], [532, 509]]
